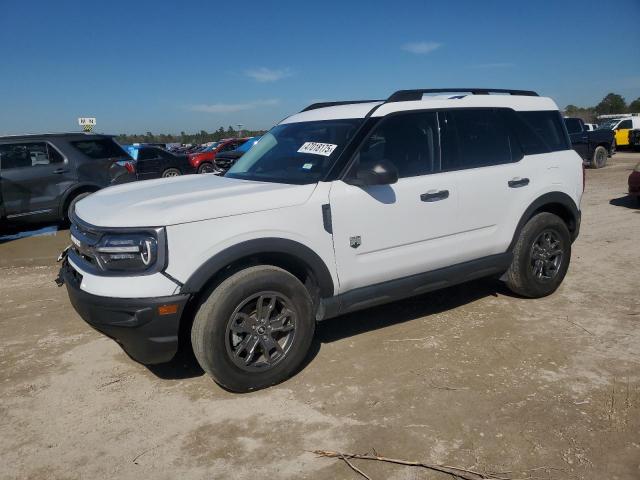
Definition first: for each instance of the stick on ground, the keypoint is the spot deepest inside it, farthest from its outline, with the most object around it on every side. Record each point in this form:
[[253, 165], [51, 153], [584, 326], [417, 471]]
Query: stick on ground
[[455, 471]]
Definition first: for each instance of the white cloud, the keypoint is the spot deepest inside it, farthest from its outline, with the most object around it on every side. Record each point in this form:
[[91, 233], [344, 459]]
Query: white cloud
[[233, 107], [421, 48], [264, 74]]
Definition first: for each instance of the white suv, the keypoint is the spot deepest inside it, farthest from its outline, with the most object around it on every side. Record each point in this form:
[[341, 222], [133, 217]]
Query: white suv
[[340, 207]]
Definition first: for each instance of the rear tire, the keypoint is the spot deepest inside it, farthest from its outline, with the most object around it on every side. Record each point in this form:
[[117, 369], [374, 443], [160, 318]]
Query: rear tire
[[541, 257], [206, 167], [236, 325], [171, 172], [599, 159]]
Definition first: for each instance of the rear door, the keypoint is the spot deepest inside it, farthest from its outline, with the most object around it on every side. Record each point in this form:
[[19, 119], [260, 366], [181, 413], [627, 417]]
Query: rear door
[[385, 232], [149, 163], [480, 155], [97, 165], [33, 178]]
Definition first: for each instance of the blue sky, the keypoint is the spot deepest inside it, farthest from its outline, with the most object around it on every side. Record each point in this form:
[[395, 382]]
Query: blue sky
[[169, 66]]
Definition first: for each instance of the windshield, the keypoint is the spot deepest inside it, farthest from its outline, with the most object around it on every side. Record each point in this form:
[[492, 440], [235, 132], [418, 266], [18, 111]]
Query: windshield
[[609, 124], [298, 153], [211, 147]]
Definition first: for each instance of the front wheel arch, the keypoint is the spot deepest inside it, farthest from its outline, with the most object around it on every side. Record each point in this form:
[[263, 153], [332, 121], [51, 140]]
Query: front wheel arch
[[288, 254]]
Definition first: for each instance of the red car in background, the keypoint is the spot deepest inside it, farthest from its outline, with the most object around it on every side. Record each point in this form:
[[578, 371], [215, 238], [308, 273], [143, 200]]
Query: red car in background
[[204, 161]]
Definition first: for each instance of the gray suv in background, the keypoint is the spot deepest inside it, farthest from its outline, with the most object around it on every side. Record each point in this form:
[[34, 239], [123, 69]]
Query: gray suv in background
[[41, 175]]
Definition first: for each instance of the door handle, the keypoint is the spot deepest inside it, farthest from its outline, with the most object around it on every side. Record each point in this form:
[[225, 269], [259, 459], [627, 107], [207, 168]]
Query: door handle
[[518, 182], [60, 170], [434, 195]]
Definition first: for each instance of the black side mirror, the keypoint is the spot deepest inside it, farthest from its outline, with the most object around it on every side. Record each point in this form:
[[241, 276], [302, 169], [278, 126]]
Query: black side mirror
[[381, 172]]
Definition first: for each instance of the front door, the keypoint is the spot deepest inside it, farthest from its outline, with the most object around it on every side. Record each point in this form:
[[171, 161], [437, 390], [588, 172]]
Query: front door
[[385, 232], [33, 178]]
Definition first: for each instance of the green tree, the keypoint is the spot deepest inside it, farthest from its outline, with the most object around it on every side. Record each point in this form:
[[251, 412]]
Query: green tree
[[587, 114], [634, 107], [612, 103]]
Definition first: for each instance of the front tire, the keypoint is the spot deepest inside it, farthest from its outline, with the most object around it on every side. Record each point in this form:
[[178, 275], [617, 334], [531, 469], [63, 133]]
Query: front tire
[[599, 159], [541, 257], [253, 330]]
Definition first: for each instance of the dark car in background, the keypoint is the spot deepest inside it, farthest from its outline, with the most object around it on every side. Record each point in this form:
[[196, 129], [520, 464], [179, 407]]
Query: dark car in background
[[225, 160], [156, 162], [593, 146], [634, 183], [204, 161], [41, 175]]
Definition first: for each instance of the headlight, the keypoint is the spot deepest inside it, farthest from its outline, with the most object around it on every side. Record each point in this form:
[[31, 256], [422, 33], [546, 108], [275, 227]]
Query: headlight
[[127, 252], [130, 251]]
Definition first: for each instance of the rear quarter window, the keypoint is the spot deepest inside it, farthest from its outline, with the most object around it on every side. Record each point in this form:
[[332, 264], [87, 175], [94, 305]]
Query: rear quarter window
[[99, 148], [539, 132]]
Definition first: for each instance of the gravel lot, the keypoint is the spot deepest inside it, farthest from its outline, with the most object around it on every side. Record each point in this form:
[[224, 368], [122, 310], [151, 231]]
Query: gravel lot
[[469, 376]]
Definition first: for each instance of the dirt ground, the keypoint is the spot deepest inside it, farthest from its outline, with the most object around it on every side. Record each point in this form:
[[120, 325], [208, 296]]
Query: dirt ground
[[469, 376]]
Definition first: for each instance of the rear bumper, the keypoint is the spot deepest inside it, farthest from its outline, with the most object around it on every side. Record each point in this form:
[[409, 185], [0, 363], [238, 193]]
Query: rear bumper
[[135, 323]]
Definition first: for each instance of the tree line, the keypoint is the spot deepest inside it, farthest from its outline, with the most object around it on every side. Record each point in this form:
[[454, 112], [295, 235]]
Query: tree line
[[611, 104], [194, 138]]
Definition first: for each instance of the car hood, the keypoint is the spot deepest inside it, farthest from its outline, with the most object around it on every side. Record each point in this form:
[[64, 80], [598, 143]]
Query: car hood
[[190, 198]]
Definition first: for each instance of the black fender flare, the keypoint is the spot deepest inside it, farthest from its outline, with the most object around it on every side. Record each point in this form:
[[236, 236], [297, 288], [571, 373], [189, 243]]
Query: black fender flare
[[551, 198], [269, 245], [73, 190]]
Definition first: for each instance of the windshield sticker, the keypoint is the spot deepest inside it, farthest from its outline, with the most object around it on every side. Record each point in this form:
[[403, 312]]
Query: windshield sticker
[[316, 148]]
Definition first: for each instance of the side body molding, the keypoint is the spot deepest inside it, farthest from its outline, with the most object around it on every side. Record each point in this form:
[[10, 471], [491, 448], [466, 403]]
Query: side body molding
[[286, 248]]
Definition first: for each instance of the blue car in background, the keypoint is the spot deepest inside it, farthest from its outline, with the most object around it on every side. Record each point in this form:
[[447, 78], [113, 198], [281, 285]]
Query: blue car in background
[[224, 160]]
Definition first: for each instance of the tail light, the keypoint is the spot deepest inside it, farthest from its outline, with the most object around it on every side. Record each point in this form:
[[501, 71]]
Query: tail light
[[131, 168]]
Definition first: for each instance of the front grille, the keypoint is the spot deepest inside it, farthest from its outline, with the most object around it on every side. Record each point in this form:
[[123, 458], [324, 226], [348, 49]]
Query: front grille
[[84, 243]]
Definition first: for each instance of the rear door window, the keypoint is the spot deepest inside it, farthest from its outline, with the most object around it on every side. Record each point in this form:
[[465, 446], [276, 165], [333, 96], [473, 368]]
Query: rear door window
[[147, 153], [473, 138], [100, 148], [19, 155]]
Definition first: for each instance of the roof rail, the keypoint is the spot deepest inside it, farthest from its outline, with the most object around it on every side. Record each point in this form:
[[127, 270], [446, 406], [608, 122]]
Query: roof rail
[[313, 106], [409, 95]]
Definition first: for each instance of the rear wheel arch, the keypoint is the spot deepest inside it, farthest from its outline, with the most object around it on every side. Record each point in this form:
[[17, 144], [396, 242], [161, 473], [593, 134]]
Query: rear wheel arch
[[559, 204]]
